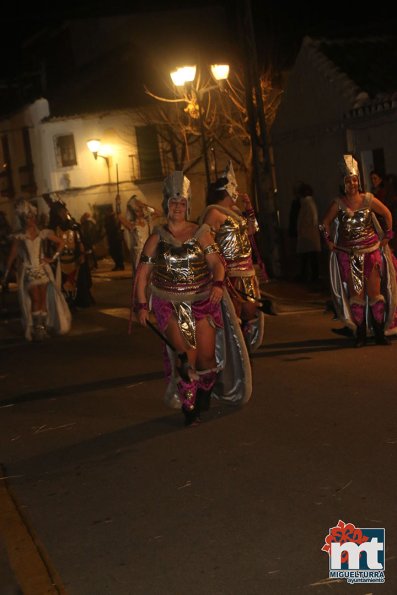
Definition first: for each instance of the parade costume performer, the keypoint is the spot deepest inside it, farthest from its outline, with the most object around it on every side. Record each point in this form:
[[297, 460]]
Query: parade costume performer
[[362, 270], [138, 221], [42, 304], [234, 231], [72, 256], [181, 277]]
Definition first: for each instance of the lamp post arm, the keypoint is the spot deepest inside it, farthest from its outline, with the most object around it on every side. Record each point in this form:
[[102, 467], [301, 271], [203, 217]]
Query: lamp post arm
[[203, 139]]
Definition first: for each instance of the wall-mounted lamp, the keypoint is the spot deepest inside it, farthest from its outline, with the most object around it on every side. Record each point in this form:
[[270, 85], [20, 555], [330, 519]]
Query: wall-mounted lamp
[[94, 146]]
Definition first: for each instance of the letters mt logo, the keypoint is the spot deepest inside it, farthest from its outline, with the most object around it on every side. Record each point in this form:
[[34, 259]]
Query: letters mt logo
[[356, 554]]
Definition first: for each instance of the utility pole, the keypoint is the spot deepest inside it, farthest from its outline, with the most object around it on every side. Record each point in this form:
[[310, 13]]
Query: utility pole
[[258, 135], [118, 199]]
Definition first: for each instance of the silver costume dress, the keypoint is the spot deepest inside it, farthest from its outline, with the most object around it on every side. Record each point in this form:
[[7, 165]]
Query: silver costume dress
[[357, 237], [33, 271], [235, 247], [181, 277]]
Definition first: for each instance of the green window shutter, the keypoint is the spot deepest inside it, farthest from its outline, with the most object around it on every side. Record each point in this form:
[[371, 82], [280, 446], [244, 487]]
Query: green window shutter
[[148, 152]]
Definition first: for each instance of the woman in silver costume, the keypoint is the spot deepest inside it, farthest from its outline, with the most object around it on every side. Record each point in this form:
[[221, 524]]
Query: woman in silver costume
[[233, 230], [181, 278], [362, 273], [138, 221], [42, 304]]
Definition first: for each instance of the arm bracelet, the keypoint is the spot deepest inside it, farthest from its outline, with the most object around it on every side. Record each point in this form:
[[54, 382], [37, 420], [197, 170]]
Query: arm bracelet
[[140, 306], [249, 212], [211, 248], [389, 234], [144, 259], [325, 233], [218, 283], [250, 215]]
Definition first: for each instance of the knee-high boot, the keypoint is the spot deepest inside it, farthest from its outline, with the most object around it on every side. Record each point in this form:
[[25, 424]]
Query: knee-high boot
[[357, 307], [378, 320], [205, 384], [187, 395], [43, 321], [38, 329]]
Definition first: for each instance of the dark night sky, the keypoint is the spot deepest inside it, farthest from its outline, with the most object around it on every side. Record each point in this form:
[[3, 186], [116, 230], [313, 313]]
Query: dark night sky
[[280, 26]]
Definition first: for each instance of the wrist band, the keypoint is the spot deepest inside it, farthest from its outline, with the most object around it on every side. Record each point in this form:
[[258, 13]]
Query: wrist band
[[140, 306], [250, 211], [389, 234], [325, 233], [218, 284]]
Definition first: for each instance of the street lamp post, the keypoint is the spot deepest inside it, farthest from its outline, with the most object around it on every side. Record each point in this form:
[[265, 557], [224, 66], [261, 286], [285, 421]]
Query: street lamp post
[[203, 139], [184, 77]]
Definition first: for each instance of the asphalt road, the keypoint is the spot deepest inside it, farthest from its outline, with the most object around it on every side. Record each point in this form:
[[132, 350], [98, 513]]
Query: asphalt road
[[104, 492]]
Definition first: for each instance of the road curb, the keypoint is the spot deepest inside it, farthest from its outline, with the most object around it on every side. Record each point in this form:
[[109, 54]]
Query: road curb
[[30, 563]]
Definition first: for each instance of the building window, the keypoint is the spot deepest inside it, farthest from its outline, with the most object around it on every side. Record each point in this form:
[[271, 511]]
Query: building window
[[148, 153], [26, 172], [65, 151], [6, 182]]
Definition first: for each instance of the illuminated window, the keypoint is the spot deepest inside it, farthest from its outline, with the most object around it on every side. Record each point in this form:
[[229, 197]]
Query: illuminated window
[[65, 151]]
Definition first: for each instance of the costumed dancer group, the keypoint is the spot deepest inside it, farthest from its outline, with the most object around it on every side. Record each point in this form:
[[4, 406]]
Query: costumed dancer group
[[357, 228], [200, 282], [43, 307]]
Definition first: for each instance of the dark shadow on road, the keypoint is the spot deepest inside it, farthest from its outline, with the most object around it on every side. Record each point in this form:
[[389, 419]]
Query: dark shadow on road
[[302, 347], [105, 447], [73, 389]]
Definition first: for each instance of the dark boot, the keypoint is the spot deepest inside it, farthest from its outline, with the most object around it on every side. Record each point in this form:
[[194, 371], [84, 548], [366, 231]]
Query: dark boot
[[361, 335], [191, 416], [203, 400], [38, 328], [187, 395], [357, 307], [379, 332], [378, 316], [205, 384]]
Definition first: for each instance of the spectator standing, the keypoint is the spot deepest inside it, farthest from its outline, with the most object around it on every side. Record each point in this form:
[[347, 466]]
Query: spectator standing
[[378, 187], [391, 203], [308, 244], [115, 239], [5, 241]]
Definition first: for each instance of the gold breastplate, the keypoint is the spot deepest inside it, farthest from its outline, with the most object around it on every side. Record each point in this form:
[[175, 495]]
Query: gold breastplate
[[233, 241], [356, 227], [182, 269]]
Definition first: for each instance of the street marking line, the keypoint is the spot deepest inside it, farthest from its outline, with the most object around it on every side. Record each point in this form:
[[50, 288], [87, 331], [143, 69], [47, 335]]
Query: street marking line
[[27, 556]]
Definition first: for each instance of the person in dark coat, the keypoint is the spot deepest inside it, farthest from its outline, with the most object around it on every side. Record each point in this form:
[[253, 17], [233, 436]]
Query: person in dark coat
[[115, 240]]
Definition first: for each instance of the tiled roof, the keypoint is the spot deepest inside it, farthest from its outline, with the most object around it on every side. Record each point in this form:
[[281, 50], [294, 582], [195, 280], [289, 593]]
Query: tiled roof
[[369, 66], [371, 62]]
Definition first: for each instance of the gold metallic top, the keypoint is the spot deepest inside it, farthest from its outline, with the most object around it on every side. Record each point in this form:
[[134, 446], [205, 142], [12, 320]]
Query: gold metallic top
[[180, 267], [233, 241], [356, 228]]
